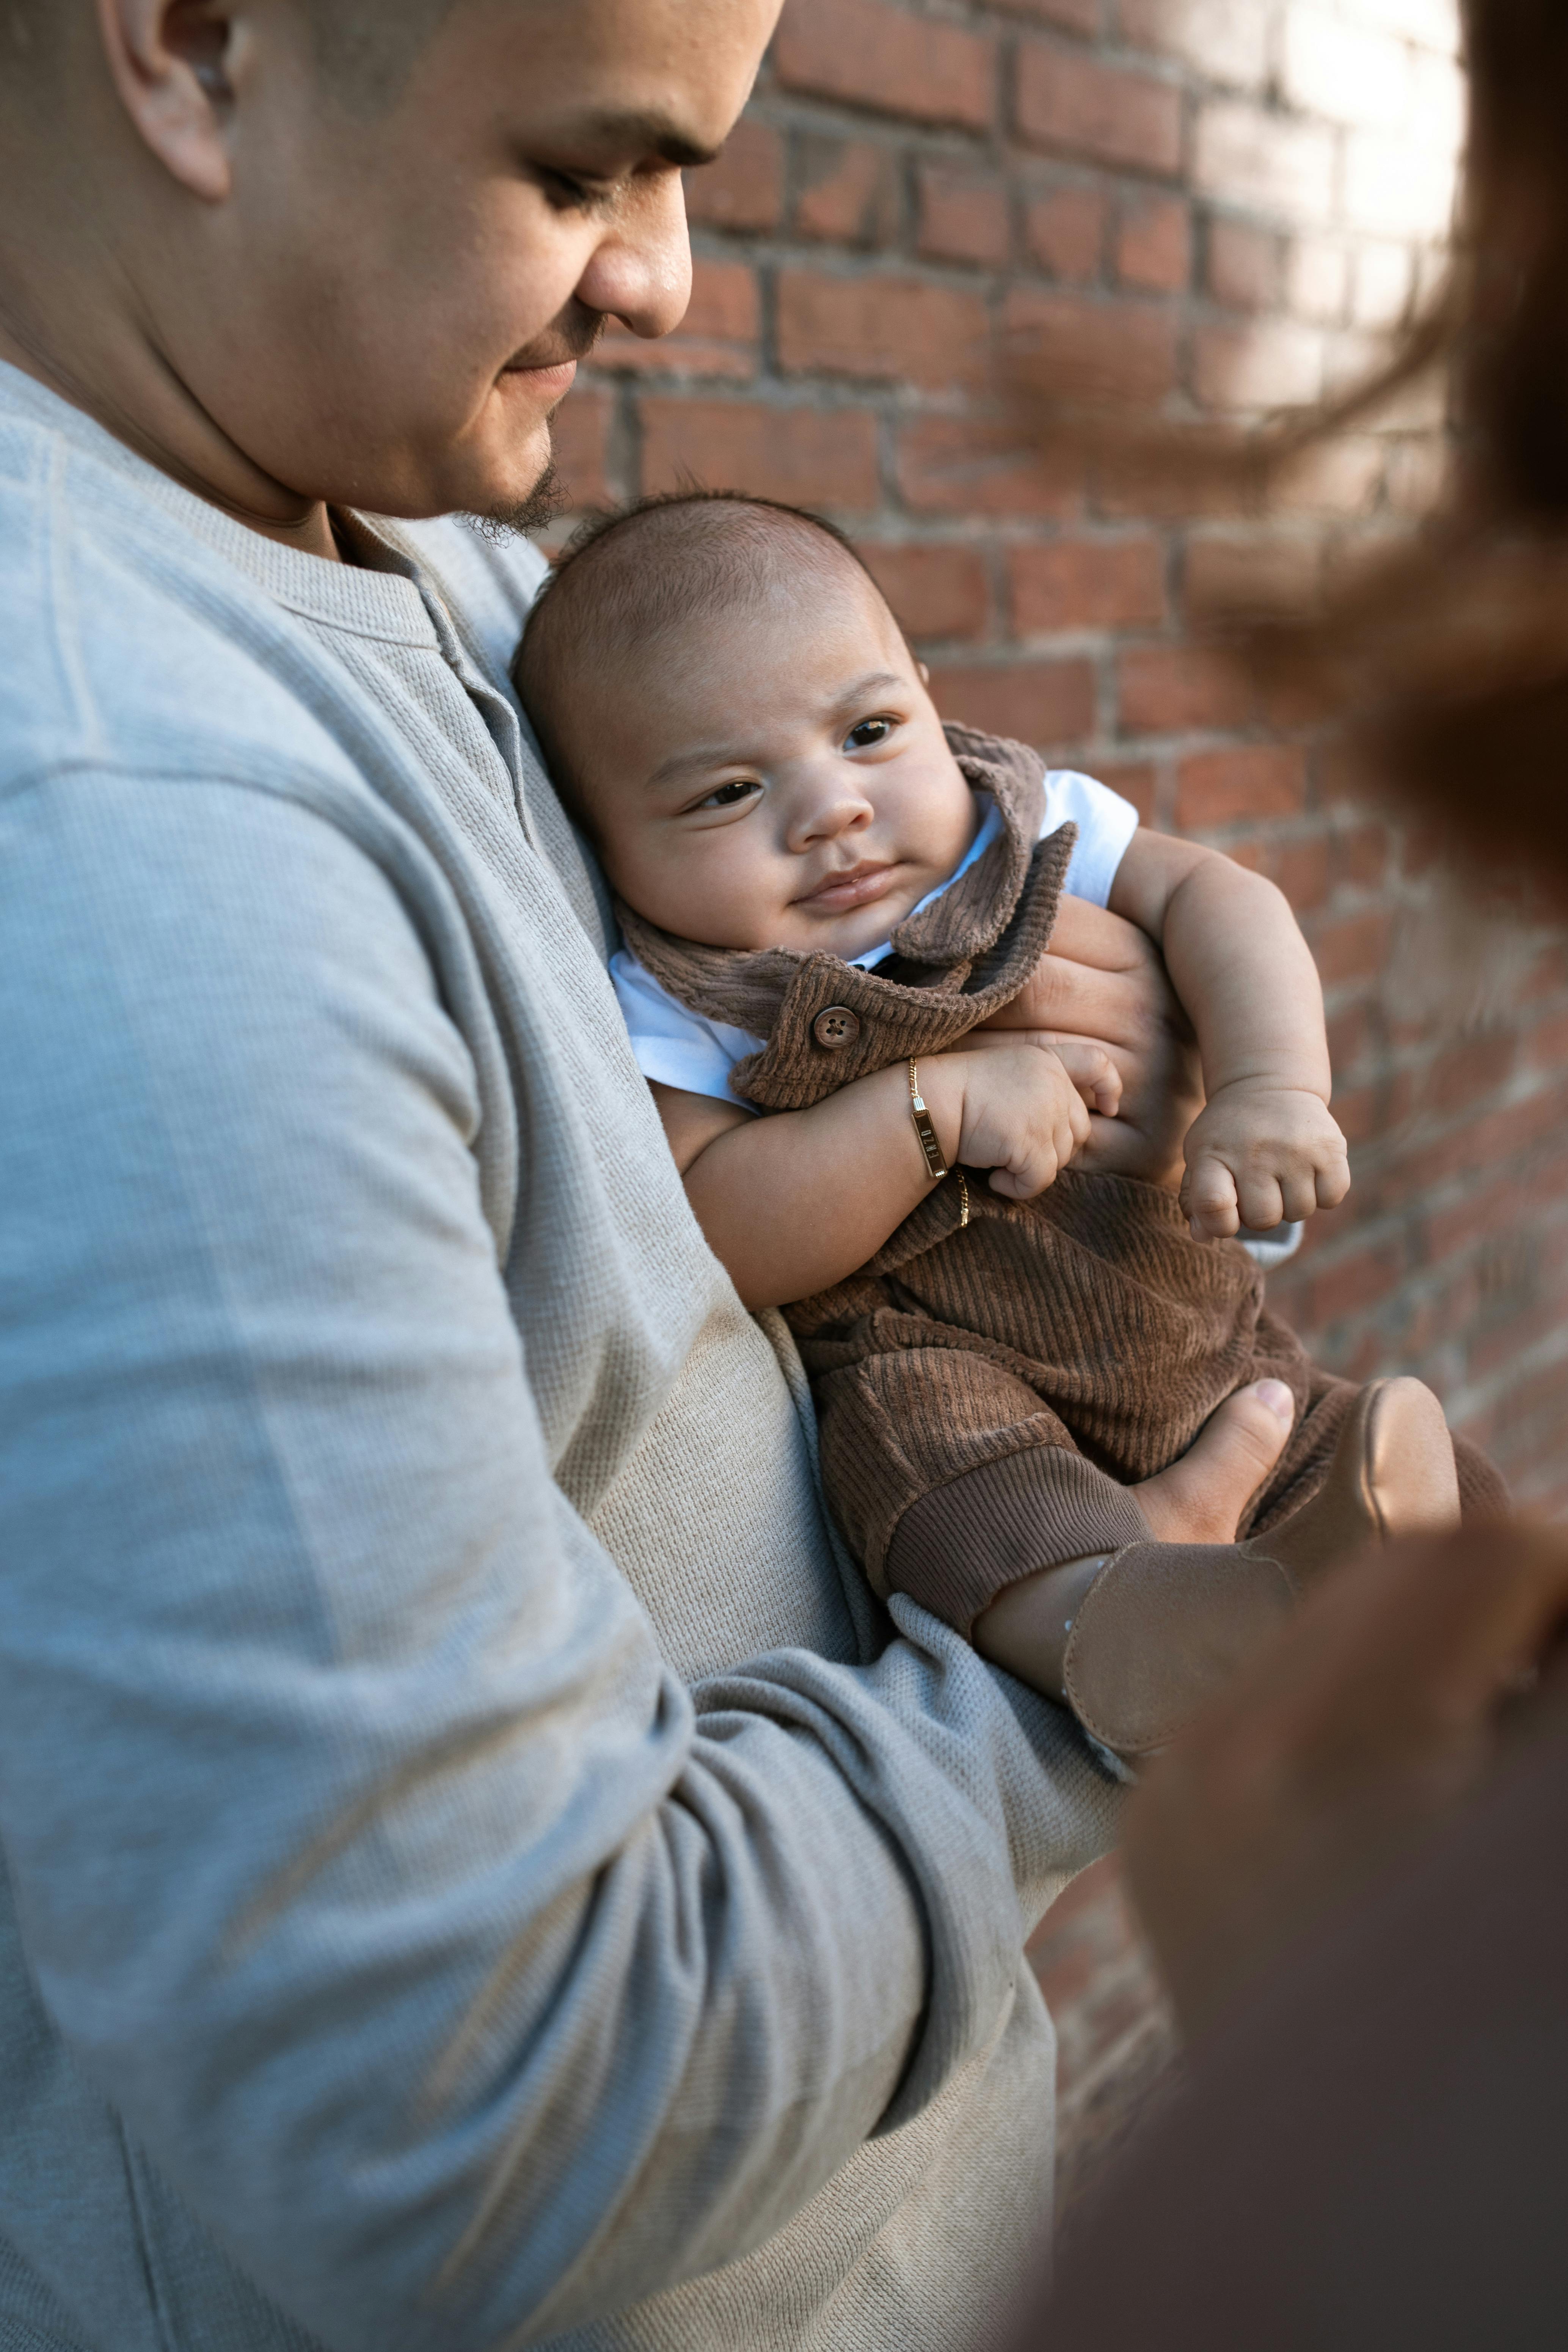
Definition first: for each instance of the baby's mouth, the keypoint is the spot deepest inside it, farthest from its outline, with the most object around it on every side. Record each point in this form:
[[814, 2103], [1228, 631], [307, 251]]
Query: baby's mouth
[[858, 885]]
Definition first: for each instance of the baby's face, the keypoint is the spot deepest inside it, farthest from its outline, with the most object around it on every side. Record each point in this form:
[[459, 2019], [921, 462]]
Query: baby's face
[[779, 779]]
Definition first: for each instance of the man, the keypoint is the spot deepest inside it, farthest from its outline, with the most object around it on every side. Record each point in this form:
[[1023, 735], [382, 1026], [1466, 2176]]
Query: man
[[477, 1872]]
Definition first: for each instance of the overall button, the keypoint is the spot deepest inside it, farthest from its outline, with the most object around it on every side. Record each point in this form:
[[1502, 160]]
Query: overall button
[[836, 1026]]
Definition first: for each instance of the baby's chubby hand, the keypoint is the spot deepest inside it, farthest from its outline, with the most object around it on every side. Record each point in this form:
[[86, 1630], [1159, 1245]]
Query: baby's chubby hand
[[1018, 1107], [1260, 1154]]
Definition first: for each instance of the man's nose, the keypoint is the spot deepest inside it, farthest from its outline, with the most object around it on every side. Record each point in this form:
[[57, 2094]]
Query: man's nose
[[641, 272]]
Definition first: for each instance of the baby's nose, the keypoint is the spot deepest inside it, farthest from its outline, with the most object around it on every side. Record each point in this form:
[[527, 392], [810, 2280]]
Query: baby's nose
[[833, 812]]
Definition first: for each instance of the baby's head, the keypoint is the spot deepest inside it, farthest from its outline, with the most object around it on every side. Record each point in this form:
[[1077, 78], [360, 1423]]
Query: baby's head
[[732, 713]]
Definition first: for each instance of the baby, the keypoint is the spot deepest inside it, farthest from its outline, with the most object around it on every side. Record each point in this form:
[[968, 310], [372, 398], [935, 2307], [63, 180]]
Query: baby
[[823, 893]]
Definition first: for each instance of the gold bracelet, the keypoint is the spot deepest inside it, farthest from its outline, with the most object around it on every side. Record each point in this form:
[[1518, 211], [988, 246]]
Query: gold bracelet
[[936, 1166]]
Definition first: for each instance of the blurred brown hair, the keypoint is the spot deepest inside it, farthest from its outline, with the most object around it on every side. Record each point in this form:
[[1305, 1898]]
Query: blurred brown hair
[[1451, 657]]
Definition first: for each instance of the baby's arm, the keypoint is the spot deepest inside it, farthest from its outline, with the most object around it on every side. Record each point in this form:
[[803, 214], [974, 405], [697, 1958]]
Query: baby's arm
[[795, 1202], [1266, 1148]]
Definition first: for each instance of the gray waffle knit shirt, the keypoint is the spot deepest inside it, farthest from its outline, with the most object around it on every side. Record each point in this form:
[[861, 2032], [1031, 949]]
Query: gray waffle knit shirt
[[477, 1870]]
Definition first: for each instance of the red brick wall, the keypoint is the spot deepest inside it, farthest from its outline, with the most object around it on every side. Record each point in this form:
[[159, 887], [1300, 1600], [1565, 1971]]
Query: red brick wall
[[1221, 202]]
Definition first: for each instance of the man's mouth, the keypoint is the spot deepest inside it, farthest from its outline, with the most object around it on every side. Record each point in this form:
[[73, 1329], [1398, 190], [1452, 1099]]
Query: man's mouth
[[551, 370], [858, 885], [555, 380]]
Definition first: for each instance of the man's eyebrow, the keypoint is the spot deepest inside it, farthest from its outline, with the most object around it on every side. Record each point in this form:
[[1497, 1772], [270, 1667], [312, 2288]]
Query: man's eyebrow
[[640, 131]]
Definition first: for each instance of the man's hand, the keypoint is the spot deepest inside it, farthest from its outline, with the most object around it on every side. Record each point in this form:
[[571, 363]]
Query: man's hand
[[1258, 1154], [1019, 1107], [1363, 1726], [1103, 982]]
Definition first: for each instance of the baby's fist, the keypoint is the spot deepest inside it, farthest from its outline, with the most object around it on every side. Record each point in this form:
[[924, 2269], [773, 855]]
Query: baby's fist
[[1261, 1155]]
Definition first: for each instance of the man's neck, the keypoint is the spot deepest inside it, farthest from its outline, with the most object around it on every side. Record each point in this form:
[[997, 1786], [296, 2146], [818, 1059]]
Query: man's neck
[[171, 432]]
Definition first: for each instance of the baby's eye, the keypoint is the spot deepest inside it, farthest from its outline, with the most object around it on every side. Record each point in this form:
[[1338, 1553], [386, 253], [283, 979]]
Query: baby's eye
[[732, 794], [861, 737]]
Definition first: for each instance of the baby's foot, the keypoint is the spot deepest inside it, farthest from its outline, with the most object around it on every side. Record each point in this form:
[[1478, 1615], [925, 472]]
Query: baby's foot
[[1135, 1641], [1198, 1500]]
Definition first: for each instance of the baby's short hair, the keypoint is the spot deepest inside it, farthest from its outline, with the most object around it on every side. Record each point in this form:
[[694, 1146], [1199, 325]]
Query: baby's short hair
[[631, 573]]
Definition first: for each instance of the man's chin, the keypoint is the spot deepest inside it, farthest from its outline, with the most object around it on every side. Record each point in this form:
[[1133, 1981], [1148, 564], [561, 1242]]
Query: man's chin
[[514, 517]]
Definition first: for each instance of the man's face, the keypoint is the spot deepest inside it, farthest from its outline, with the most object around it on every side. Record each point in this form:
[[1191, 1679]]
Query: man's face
[[386, 308]]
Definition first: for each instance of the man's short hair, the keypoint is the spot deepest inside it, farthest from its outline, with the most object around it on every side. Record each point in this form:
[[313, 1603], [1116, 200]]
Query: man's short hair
[[366, 48]]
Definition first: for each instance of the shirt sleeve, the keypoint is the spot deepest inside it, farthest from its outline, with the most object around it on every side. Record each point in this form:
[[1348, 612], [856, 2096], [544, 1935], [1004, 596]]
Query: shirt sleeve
[[1105, 825], [672, 1044]]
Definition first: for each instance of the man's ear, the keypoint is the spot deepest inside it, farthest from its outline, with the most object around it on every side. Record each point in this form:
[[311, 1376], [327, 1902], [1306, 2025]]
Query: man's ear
[[169, 62], [925, 674]]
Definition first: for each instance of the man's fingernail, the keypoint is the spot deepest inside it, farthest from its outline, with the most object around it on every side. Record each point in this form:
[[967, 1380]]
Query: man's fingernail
[[1279, 1399]]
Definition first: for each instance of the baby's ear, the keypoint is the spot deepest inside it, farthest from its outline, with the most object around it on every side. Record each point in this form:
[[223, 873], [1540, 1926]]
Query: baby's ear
[[925, 674]]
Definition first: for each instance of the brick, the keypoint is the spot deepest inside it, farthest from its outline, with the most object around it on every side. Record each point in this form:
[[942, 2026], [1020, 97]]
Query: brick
[[1117, 351], [1216, 788], [1177, 689], [1439, 101], [1225, 40], [717, 336], [849, 192], [1072, 15], [1317, 280], [1048, 704], [1300, 868], [1085, 584], [1273, 573], [1267, 364], [963, 216], [935, 592], [580, 432], [1397, 187], [807, 456], [953, 464], [1360, 856], [1136, 780], [1418, 476], [1264, 162], [1356, 1282], [1065, 233], [1353, 950], [1154, 244], [1384, 282], [1435, 22], [1336, 478], [877, 328], [1346, 71], [745, 189], [1242, 270], [887, 60], [1076, 105]]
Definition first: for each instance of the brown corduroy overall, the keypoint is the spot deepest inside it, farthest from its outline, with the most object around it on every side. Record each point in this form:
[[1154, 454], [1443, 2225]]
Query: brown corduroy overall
[[986, 1394]]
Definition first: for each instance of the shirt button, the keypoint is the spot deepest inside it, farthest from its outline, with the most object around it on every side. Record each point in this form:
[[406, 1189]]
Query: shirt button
[[834, 1027]]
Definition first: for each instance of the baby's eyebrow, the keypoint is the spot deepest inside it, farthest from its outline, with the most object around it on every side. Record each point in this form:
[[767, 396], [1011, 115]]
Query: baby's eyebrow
[[872, 683], [714, 755], [692, 755]]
